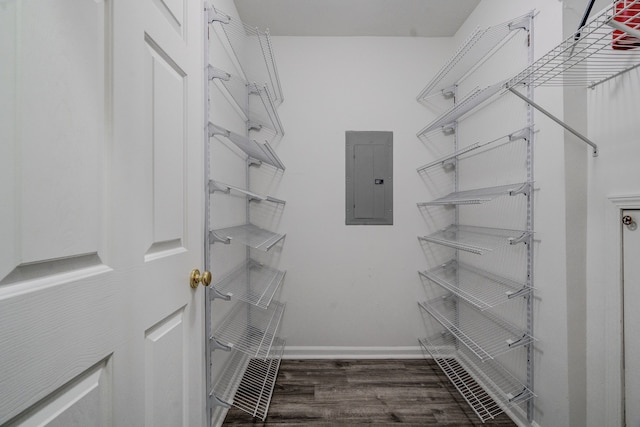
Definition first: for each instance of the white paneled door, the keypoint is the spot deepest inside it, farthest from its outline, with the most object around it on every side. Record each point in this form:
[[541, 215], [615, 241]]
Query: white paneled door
[[631, 318], [101, 189]]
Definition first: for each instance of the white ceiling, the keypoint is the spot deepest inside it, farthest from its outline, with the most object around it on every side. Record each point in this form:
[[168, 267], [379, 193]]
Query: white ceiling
[[403, 18]]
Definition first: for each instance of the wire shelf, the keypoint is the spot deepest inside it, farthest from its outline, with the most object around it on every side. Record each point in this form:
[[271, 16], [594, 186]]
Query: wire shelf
[[248, 235], [520, 134], [486, 335], [479, 195], [247, 383], [226, 188], [250, 329], [253, 100], [251, 282], [470, 102], [472, 51], [246, 44], [488, 387], [261, 151], [477, 240], [477, 287], [594, 54]]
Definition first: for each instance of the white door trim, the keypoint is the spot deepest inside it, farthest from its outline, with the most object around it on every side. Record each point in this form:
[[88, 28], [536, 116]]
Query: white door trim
[[613, 305]]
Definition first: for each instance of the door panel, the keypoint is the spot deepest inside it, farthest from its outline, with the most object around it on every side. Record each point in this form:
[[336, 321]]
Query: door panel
[[631, 296], [101, 213]]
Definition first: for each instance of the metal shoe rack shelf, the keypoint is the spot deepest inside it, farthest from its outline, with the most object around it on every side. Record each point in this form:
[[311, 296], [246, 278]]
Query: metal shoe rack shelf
[[466, 337], [248, 333], [471, 337]]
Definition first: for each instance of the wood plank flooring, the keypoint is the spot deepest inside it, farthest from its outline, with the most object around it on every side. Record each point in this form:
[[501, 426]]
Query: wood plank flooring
[[372, 392]]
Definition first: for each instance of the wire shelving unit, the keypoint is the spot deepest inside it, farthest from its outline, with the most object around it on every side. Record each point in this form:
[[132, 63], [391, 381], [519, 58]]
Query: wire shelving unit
[[473, 50], [260, 151], [488, 387], [479, 288], [477, 240], [247, 234], [479, 195], [250, 329], [486, 336], [251, 282], [247, 383]]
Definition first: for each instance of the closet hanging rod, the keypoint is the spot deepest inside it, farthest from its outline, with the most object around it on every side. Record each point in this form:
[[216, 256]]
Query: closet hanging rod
[[555, 119]]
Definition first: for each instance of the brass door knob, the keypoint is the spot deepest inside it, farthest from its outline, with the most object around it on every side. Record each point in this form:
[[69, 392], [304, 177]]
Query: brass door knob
[[195, 277]]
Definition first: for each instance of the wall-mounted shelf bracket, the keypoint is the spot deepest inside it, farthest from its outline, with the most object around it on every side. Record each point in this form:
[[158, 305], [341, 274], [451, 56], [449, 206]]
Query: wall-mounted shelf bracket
[[555, 119], [217, 73], [254, 162], [218, 295], [523, 189], [450, 129], [217, 345], [524, 340], [217, 130], [214, 186], [522, 292], [254, 126], [524, 238], [216, 401], [524, 395], [213, 237], [449, 92], [523, 23], [215, 16], [521, 134]]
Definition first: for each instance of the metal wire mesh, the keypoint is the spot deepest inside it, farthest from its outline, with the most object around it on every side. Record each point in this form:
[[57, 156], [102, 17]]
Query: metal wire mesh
[[487, 386], [250, 329], [251, 235], [248, 43], [472, 51], [477, 287], [477, 240], [593, 55], [252, 282], [484, 334], [477, 196]]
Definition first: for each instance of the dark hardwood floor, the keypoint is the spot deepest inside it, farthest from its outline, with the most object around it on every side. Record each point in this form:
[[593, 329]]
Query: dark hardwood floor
[[372, 392]]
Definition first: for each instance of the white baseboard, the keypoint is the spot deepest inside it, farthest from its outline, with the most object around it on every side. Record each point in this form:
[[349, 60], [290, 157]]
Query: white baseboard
[[338, 352]]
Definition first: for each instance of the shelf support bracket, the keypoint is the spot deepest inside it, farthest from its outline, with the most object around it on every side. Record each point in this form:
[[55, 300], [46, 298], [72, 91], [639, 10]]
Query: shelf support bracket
[[524, 291], [523, 189], [522, 239], [517, 343], [449, 92], [213, 237], [555, 119], [216, 401], [214, 16], [518, 397], [523, 23], [254, 162], [217, 345], [217, 73], [217, 130], [254, 126], [214, 186], [521, 134], [217, 294], [450, 128]]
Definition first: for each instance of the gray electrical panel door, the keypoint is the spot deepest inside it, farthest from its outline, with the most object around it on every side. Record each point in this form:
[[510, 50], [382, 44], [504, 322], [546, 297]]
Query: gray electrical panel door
[[369, 178]]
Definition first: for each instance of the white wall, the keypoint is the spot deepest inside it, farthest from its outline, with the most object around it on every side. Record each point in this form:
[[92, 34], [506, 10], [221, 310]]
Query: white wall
[[351, 288], [613, 125]]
